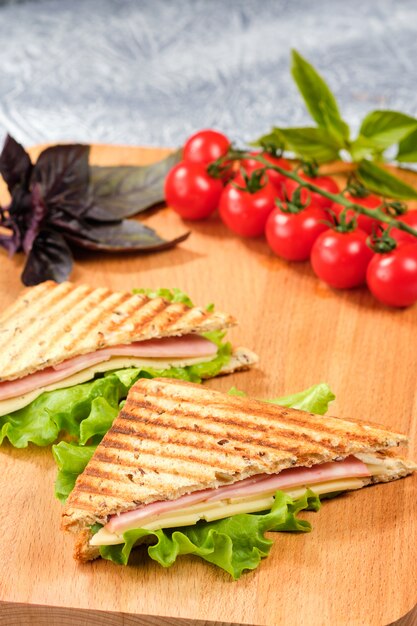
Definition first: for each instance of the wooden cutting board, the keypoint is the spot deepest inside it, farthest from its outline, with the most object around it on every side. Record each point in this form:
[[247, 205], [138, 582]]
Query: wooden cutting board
[[357, 566]]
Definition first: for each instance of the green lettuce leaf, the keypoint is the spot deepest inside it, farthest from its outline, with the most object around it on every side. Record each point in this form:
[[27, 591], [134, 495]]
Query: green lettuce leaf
[[63, 410], [172, 295], [315, 399], [234, 391], [88, 409], [72, 461], [234, 544]]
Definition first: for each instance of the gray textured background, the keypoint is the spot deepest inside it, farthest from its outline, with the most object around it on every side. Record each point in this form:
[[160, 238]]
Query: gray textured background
[[152, 71]]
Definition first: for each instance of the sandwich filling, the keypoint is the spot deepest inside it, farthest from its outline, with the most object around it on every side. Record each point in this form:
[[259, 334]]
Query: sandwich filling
[[250, 495], [157, 353]]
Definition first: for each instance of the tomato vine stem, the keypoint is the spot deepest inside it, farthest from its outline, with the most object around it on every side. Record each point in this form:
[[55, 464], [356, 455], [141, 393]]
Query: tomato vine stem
[[339, 198]]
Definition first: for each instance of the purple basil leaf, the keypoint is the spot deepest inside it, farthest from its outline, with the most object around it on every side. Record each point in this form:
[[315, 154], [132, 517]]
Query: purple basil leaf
[[49, 259], [62, 173], [118, 236], [20, 214], [105, 247], [36, 219], [15, 164], [122, 191]]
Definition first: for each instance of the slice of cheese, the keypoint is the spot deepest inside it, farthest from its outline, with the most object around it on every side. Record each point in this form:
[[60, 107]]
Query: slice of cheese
[[210, 511], [115, 363]]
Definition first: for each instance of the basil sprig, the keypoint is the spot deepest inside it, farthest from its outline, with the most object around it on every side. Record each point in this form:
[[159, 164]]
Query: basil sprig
[[383, 183], [331, 137]]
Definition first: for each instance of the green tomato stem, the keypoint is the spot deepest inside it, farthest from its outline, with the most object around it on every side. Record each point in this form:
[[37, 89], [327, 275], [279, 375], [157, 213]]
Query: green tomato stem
[[340, 199]]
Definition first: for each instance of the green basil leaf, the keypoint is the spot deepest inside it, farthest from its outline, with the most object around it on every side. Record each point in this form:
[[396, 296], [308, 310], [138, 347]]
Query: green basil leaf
[[319, 100], [365, 148], [274, 140], [383, 183], [123, 191], [407, 150], [311, 143], [118, 236], [385, 128]]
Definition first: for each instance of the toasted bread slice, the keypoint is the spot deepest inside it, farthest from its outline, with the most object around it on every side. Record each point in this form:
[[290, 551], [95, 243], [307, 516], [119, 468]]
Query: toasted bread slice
[[172, 438], [51, 323], [240, 359]]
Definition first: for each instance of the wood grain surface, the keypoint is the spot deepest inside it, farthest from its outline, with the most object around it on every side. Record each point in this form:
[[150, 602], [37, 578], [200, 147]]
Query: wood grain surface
[[357, 566]]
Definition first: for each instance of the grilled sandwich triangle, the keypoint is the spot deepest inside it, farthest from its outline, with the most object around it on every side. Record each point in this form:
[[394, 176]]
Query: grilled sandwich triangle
[[51, 323], [174, 438]]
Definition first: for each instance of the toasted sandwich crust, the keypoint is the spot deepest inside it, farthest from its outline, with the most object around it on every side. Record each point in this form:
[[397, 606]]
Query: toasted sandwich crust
[[62, 321], [173, 438], [83, 552], [240, 359]]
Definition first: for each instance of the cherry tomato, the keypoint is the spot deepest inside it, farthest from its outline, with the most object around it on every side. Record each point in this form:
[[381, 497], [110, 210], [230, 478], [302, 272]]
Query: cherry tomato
[[409, 218], [205, 147], [392, 276], [277, 179], [341, 259], [325, 182], [191, 192], [368, 224], [291, 235], [245, 212]]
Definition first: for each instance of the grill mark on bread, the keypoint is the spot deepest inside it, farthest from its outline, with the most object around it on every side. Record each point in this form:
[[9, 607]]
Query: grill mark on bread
[[105, 306], [317, 438], [126, 446], [79, 303], [47, 308], [152, 452], [137, 492], [148, 467], [287, 441], [195, 314], [149, 472], [249, 452], [55, 303], [208, 405], [22, 303], [100, 304], [125, 311], [100, 489], [155, 311]]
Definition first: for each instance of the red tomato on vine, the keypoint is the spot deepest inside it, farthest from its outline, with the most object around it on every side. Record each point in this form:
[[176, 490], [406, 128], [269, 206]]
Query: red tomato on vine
[[246, 203], [366, 223], [409, 218], [191, 192], [392, 275], [276, 178], [291, 233], [324, 182], [341, 259], [205, 146]]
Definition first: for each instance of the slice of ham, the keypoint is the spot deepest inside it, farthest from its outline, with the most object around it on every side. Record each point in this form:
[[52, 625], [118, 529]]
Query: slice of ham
[[186, 346], [350, 467]]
